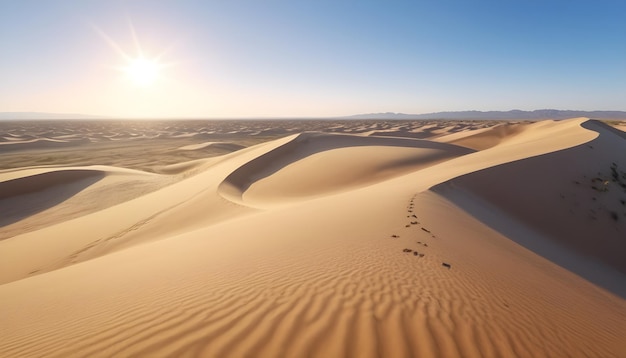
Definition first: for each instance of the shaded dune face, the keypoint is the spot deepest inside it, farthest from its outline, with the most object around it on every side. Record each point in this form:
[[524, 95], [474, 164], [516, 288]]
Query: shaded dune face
[[34, 198], [23, 197], [313, 164], [574, 198], [38, 182]]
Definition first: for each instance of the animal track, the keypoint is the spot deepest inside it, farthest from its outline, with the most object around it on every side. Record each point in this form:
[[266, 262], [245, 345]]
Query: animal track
[[423, 244], [415, 253]]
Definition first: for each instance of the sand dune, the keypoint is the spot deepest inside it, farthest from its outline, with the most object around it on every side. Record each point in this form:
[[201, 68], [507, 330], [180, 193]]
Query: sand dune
[[39, 143], [581, 192], [313, 164], [483, 138], [186, 168], [38, 182], [34, 198], [220, 145], [334, 245]]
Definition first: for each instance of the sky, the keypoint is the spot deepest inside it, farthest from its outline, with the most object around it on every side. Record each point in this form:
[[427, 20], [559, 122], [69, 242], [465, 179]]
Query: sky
[[273, 58]]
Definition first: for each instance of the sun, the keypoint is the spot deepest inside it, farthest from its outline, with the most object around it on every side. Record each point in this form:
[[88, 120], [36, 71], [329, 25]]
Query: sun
[[143, 72], [139, 67]]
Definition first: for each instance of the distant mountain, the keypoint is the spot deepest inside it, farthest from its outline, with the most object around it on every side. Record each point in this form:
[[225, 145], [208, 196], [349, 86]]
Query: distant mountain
[[386, 115], [513, 114], [40, 115]]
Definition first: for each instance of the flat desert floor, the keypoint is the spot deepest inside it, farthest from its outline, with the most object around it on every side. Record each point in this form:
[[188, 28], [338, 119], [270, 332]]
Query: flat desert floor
[[312, 238]]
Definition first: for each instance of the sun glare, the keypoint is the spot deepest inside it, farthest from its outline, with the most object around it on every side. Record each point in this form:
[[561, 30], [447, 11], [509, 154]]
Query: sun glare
[[143, 72], [140, 69]]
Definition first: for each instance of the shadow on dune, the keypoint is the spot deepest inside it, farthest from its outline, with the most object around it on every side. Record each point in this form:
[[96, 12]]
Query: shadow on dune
[[565, 206], [23, 197], [593, 125]]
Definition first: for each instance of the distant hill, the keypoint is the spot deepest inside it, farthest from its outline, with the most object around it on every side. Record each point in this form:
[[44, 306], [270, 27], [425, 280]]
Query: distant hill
[[41, 115], [513, 114]]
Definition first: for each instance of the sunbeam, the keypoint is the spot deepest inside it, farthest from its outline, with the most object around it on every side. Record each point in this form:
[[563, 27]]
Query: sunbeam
[[141, 69]]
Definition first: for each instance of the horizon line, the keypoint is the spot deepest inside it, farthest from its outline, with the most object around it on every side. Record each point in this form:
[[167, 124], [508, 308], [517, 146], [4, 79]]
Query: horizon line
[[81, 116]]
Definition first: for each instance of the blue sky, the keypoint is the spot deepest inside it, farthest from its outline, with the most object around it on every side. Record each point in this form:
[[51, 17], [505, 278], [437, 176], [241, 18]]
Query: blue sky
[[312, 58]]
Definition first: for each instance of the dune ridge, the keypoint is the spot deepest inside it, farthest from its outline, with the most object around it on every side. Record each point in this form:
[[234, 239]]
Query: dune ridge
[[484, 138], [37, 197], [39, 182], [581, 192], [37, 143], [219, 264], [231, 147], [308, 153]]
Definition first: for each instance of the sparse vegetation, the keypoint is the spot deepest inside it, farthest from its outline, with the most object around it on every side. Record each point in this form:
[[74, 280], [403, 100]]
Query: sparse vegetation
[[599, 184], [606, 200], [602, 182]]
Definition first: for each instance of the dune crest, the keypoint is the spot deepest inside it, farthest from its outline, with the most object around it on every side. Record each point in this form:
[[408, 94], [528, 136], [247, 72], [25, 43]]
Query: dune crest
[[573, 197], [231, 147], [313, 164], [39, 182]]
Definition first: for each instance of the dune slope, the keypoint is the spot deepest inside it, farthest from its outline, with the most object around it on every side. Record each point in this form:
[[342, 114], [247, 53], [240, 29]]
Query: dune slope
[[316, 164], [574, 198], [34, 198], [484, 138]]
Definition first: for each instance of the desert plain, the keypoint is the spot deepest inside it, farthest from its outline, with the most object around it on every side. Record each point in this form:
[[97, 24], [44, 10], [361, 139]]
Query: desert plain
[[321, 238]]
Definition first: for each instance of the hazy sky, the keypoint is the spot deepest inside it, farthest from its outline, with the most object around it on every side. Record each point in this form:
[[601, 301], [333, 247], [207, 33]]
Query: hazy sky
[[311, 58]]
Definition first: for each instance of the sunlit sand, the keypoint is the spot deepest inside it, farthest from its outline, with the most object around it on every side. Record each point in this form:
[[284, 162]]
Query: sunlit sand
[[312, 238]]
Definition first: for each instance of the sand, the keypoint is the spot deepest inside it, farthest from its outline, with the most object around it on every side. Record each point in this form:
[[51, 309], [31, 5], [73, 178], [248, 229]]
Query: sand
[[319, 238]]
